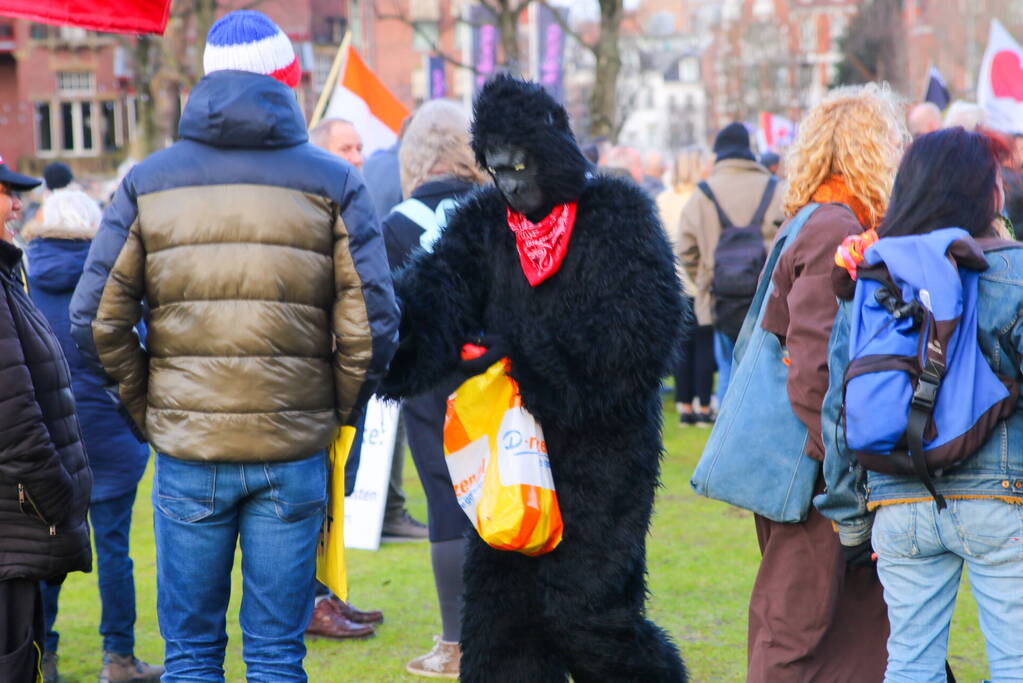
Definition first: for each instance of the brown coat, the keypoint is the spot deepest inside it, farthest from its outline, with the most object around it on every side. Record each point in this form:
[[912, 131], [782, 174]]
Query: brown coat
[[738, 185], [802, 308]]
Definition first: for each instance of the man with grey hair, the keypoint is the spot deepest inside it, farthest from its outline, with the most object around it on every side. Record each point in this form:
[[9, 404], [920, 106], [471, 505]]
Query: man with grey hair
[[653, 173], [924, 118], [338, 136]]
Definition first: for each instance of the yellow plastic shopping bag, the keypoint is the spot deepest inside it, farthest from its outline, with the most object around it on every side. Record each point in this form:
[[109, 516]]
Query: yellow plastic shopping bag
[[497, 458], [330, 551]]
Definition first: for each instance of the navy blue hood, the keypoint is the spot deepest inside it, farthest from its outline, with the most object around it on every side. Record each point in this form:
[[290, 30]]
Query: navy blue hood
[[54, 265], [242, 109]]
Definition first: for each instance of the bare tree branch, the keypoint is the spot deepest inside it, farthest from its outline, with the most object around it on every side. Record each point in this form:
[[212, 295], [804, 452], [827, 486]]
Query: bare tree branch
[[434, 47], [569, 31]]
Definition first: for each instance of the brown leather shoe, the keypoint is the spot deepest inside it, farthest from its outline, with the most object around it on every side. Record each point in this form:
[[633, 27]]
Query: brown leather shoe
[[326, 622], [349, 612]]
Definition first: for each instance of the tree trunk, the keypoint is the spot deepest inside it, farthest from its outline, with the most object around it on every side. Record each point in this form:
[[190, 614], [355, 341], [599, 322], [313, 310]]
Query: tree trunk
[[146, 134], [508, 25], [205, 15], [603, 99]]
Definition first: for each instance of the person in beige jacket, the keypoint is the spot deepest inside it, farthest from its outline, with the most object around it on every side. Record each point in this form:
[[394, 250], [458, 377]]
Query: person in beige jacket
[[694, 374], [739, 183]]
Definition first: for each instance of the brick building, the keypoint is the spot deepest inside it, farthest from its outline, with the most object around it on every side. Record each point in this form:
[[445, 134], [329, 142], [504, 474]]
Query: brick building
[[769, 55], [66, 93]]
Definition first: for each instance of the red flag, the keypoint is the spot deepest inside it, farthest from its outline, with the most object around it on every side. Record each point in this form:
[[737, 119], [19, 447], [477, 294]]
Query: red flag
[[114, 16]]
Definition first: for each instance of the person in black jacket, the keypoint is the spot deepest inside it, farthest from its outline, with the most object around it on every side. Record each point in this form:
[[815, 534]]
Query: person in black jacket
[[45, 481], [574, 273], [437, 171]]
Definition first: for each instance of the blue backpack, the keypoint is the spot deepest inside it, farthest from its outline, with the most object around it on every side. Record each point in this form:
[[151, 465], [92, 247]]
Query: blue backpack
[[920, 397]]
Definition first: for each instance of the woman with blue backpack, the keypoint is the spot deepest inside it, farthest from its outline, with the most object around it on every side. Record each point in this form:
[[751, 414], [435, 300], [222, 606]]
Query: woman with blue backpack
[[926, 350], [816, 613]]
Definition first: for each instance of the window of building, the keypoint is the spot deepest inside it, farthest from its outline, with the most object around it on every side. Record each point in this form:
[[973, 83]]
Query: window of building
[[67, 126], [86, 127], [75, 82], [44, 132], [689, 70], [808, 34], [424, 36], [38, 31], [330, 31], [108, 112], [6, 31], [76, 124]]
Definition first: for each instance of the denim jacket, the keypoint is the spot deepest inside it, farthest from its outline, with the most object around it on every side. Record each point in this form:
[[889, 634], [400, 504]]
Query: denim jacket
[[995, 471]]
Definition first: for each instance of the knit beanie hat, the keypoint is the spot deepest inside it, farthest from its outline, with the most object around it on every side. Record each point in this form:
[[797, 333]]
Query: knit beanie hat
[[733, 143], [57, 175], [246, 40]]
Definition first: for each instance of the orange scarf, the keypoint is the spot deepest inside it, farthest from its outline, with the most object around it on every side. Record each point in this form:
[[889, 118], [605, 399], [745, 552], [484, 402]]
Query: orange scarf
[[834, 190]]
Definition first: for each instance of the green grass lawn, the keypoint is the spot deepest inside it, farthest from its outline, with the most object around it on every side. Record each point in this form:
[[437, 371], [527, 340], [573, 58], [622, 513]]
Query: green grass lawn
[[702, 558]]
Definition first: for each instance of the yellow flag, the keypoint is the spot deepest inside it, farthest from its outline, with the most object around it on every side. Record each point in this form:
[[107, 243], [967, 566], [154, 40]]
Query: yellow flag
[[330, 552]]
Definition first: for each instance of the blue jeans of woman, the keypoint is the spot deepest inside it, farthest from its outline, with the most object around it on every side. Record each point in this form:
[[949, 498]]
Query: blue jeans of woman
[[202, 511], [921, 555], [111, 523], [724, 346]]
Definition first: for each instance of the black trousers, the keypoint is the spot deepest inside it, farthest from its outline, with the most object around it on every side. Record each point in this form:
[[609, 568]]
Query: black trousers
[[21, 630], [694, 376]]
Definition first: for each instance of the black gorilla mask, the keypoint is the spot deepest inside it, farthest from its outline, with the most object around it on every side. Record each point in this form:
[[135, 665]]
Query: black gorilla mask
[[515, 173], [522, 137]]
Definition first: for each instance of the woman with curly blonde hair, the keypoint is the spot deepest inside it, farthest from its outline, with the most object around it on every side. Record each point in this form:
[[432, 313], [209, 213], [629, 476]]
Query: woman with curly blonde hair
[[817, 611]]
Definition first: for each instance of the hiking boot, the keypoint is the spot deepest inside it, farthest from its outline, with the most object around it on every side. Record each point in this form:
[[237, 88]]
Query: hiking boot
[[404, 527], [327, 622], [357, 616], [49, 667], [441, 662], [127, 669]]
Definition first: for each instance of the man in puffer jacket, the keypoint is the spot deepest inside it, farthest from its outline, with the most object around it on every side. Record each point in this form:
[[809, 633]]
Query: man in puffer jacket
[[270, 319], [44, 474]]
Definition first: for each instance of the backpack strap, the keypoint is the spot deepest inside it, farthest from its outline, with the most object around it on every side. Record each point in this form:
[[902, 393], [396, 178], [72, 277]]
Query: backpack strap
[[765, 202], [705, 189], [921, 406], [431, 221]]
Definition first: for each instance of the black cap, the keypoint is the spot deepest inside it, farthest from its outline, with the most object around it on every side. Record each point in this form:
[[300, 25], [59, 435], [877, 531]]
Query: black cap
[[769, 159], [733, 143], [16, 181], [57, 175]]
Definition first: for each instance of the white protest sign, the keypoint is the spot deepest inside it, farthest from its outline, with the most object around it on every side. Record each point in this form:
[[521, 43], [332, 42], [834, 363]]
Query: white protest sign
[[364, 509]]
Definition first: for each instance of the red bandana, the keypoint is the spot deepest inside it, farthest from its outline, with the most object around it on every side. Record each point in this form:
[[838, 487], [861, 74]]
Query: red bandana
[[542, 246]]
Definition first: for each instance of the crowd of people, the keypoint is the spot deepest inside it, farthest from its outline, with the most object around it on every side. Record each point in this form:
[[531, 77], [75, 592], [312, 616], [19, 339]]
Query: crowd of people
[[244, 292]]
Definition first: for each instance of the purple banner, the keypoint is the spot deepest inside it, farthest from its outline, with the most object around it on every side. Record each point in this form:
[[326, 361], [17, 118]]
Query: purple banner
[[484, 43], [550, 52], [437, 76]]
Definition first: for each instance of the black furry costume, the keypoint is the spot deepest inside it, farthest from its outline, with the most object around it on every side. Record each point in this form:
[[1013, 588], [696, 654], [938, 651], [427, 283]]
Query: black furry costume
[[589, 347]]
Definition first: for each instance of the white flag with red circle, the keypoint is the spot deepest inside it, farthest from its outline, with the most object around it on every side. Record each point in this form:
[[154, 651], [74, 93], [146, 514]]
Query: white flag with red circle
[[1000, 84]]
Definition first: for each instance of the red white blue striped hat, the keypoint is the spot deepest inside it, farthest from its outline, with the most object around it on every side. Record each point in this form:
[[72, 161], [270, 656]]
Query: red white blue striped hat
[[246, 40]]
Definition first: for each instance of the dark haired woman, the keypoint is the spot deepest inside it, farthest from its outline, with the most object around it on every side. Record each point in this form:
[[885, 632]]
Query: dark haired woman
[[948, 178]]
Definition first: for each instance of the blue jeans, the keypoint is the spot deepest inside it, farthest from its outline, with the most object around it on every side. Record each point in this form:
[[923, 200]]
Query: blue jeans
[[202, 510], [723, 348], [921, 554], [111, 522]]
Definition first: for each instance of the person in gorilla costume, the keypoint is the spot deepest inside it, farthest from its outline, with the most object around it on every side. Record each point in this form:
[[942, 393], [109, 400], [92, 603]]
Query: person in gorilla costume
[[588, 308]]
